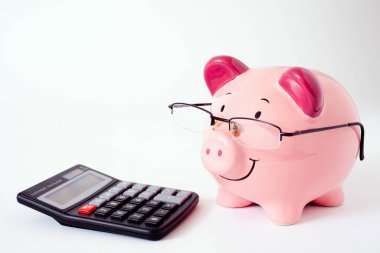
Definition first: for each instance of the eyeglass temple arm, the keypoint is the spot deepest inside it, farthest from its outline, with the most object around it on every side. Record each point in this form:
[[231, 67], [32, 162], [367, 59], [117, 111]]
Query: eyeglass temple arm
[[180, 105], [201, 104], [314, 130], [361, 152]]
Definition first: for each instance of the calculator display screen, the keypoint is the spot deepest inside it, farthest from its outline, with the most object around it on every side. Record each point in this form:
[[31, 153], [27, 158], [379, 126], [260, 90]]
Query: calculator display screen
[[75, 190]]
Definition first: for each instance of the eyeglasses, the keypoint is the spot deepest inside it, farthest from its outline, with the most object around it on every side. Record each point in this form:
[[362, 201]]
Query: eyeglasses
[[253, 133]]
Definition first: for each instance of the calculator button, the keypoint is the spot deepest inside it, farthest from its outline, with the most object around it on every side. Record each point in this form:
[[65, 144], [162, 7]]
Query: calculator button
[[131, 192], [153, 203], [137, 201], [113, 204], [154, 189], [103, 211], [170, 199], [124, 184], [145, 209], [129, 207], [153, 221], [136, 217], [168, 191], [146, 195], [119, 215], [185, 194], [122, 198], [116, 189], [107, 195], [169, 206], [139, 187], [86, 209], [97, 202], [161, 212]]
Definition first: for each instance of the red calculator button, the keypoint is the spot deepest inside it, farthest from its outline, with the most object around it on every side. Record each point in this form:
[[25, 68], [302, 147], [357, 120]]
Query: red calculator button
[[86, 209]]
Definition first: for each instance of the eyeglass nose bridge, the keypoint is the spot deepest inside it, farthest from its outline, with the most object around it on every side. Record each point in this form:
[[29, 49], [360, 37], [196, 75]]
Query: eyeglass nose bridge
[[216, 122], [233, 128]]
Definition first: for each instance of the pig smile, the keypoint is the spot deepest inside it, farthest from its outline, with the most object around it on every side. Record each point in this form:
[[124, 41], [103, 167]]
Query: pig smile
[[247, 175]]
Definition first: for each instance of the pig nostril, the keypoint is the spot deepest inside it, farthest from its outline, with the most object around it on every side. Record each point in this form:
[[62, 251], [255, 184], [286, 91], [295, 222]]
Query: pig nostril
[[207, 151], [220, 152]]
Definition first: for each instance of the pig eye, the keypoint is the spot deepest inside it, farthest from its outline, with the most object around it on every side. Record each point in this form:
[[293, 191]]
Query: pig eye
[[222, 108], [257, 115]]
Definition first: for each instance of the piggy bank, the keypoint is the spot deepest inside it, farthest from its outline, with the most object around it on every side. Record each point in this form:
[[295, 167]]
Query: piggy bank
[[279, 137]]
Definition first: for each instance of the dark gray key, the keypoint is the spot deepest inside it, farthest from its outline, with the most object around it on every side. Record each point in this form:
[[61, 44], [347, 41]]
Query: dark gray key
[[103, 211], [169, 206], [129, 207], [113, 204], [122, 198], [153, 221], [137, 201], [119, 215], [145, 209], [153, 203], [161, 213], [136, 217]]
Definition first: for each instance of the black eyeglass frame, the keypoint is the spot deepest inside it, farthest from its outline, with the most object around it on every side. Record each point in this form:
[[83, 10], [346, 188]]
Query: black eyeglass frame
[[286, 134]]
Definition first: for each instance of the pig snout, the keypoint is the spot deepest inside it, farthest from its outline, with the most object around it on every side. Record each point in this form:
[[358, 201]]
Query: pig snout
[[219, 153]]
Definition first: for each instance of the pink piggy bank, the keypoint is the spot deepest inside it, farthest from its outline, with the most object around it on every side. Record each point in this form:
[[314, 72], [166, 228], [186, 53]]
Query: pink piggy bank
[[279, 137]]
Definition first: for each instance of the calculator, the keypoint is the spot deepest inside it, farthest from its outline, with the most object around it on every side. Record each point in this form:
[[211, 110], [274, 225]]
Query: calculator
[[85, 198]]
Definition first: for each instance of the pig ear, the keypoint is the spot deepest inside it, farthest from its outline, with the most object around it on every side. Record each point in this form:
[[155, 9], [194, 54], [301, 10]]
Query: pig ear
[[220, 70], [304, 88]]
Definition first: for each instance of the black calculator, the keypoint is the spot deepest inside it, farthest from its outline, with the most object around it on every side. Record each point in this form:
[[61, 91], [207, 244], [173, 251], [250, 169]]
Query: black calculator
[[86, 198]]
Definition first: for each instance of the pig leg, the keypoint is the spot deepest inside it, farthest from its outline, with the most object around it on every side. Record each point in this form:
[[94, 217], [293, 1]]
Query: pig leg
[[227, 199], [284, 214], [332, 198]]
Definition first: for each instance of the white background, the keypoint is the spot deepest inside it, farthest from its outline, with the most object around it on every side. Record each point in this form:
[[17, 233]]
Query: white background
[[89, 82]]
